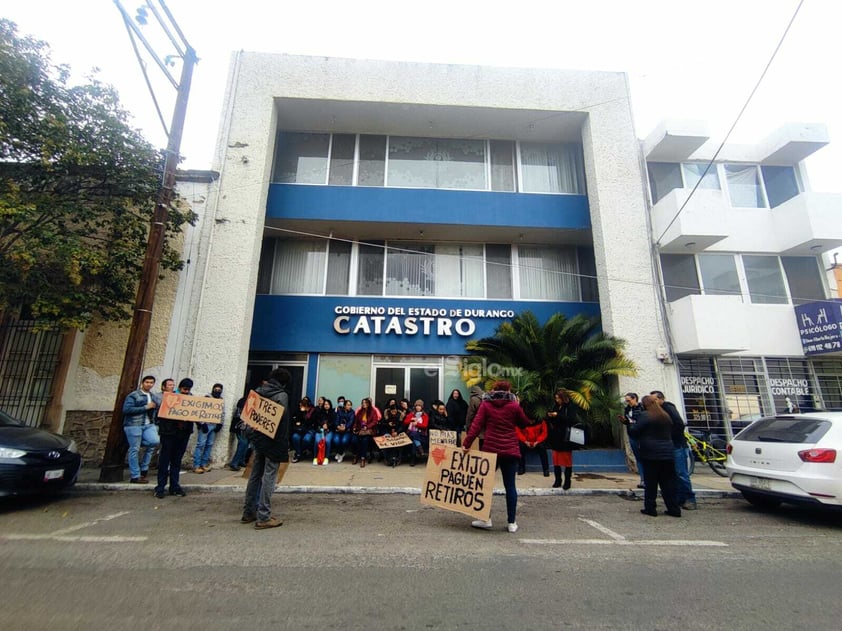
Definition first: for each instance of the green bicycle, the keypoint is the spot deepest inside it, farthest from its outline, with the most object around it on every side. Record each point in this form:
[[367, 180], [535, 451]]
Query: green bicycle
[[706, 453]]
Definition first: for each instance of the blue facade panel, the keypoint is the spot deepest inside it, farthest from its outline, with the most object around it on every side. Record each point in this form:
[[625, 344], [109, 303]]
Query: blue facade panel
[[402, 205], [318, 324]]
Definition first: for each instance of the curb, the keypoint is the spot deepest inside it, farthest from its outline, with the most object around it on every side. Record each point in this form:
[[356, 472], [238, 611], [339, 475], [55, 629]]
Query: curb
[[384, 490]]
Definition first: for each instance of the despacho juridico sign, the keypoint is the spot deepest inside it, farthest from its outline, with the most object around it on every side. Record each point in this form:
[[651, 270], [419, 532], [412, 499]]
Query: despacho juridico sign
[[262, 414], [460, 481]]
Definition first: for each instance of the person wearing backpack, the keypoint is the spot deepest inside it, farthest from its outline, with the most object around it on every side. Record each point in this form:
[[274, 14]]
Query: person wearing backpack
[[269, 453]]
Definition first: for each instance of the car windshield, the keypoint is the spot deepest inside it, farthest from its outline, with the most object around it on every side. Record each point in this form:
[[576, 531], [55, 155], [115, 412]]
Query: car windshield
[[786, 430], [6, 420]]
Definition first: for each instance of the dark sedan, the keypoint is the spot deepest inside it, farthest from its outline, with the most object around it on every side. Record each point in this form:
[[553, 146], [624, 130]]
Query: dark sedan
[[34, 460]]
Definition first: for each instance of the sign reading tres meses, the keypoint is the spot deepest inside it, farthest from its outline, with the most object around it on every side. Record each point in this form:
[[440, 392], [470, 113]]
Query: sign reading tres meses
[[364, 320]]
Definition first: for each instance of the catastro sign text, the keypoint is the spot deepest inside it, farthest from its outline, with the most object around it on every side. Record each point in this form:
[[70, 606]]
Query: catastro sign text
[[353, 320]]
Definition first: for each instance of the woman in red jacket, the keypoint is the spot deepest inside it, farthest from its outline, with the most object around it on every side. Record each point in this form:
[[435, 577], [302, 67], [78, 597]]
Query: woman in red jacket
[[532, 438], [499, 415]]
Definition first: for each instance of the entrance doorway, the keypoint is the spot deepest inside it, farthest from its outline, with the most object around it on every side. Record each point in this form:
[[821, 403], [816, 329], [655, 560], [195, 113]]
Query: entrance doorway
[[412, 382]]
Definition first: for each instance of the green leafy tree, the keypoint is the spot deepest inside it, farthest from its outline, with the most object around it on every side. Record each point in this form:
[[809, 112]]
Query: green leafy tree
[[77, 191], [569, 353]]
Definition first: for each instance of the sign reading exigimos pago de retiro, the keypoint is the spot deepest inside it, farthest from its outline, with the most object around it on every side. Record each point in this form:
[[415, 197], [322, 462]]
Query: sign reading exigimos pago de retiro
[[458, 480], [262, 414], [186, 407]]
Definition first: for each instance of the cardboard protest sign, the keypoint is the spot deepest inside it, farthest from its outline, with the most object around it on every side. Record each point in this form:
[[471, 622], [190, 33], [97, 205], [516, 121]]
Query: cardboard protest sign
[[186, 407], [387, 442], [443, 437], [461, 481], [282, 469], [262, 414]]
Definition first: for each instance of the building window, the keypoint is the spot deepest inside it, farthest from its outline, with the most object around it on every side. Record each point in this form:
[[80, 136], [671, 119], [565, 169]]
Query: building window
[[719, 275], [829, 378], [804, 278], [551, 168], [301, 158], [781, 184], [498, 271], [680, 276], [744, 187], [548, 273], [372, 167], [502, 165], [370, 263], [705, 174], [442, 270], [439, 163], [765, 282], [436, 163], [338, 267], [587, 275], [342, 149], [791, 385], [299, 267], [663, 177]]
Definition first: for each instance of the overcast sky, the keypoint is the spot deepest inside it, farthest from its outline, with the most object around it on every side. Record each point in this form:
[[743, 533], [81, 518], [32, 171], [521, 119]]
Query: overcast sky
[[684, 59]]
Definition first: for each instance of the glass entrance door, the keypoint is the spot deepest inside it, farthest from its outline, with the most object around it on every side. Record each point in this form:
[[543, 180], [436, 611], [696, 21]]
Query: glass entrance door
[[412, 382]]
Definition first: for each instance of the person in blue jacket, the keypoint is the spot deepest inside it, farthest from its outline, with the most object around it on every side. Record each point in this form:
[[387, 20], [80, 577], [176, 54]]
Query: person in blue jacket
[[140, 430]]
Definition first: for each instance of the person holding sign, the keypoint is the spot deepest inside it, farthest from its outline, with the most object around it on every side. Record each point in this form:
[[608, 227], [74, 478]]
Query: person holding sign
[[269, 453], [499, 415], [174, 438]]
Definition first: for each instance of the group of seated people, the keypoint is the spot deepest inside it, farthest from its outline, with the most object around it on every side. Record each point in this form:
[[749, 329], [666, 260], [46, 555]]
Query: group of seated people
[[347, 430]]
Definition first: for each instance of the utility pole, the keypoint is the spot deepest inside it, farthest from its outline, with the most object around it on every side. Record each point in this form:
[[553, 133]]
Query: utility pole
[[115, 448]]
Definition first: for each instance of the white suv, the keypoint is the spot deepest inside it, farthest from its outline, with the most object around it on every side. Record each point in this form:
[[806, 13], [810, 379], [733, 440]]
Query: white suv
[[793, 458]]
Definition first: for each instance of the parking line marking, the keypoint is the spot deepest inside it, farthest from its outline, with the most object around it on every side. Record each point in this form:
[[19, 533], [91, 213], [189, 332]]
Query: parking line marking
[[620, 540], [82, 538], [606, 531], [625, 542], [64, 531]]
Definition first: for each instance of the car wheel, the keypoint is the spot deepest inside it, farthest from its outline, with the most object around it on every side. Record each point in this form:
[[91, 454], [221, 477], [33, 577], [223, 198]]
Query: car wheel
[[761, 501]]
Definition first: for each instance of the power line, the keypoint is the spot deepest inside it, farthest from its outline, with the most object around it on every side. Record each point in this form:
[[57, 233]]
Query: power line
[[734, 125]]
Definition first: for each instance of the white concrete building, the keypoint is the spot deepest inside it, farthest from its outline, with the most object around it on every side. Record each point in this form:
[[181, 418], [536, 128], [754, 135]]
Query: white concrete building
[[371, 217], [740, 238]]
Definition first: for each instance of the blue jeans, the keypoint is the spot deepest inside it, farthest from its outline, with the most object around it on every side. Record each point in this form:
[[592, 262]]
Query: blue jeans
[[328, 443], [300, 442], [684, 488], [239, 458], [341, 441], [508, 467], [145, 436], [204, 447], [261, 485]]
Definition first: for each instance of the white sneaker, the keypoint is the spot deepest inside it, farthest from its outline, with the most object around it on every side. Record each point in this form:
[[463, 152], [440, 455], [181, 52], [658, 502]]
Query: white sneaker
[[340, 457], [512, 527], [481, 523], [315, 462], [325, 462]]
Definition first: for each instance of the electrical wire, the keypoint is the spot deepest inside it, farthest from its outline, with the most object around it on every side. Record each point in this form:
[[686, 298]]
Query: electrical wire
[[734, 125]]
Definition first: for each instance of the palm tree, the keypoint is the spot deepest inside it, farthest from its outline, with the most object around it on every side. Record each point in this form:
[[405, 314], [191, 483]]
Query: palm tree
[[569, 353]]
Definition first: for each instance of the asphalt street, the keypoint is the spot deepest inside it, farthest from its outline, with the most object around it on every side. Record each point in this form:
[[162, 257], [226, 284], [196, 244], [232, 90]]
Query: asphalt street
[[91, 560]]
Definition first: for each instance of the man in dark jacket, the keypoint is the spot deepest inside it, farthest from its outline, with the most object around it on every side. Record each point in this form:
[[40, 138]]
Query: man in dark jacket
[[269, 453], [684, 490]]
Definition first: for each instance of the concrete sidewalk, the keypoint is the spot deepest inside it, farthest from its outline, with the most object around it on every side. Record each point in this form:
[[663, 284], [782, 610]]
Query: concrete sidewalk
[[303, 477]]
